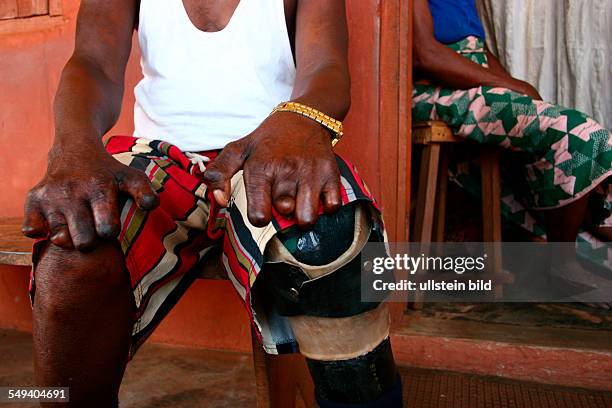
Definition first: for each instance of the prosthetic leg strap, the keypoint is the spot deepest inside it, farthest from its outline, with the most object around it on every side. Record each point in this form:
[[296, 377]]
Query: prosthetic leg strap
[[329, 338], [362, 381]]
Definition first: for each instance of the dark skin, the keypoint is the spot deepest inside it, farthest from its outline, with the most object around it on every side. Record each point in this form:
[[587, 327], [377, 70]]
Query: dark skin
[[435, 63], [288, 164]]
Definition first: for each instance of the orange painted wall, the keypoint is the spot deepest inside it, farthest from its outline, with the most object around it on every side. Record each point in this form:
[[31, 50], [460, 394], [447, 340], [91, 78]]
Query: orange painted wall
[[32, 54], [31, 59]]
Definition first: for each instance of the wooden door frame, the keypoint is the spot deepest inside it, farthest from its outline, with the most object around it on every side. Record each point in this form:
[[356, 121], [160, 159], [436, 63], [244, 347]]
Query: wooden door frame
[[395, 90], [395, 131]]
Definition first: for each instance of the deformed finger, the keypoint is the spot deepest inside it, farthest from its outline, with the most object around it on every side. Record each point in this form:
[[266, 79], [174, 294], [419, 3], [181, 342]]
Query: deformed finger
[[259, 193], [283, 196], [307, 205], [81, 226], [60, 235], [34, 224], [105, 210], [137, 185]]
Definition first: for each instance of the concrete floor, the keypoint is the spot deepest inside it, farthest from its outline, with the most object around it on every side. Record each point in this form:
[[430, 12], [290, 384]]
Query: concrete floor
[[177, 377], [159, 376]]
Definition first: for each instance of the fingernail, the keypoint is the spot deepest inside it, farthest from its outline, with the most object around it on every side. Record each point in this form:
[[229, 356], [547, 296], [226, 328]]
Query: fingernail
[[220, 197]]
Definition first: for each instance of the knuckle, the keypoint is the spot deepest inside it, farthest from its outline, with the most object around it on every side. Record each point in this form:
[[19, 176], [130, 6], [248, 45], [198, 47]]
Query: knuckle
[[99, 196], [263, 171], [32, 195], [330, 166], [55, 218], [289, 164], [213, 174], [138, 177]]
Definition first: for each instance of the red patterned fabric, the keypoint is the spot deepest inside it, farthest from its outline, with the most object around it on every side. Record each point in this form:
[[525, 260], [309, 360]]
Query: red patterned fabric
[[164, 247]]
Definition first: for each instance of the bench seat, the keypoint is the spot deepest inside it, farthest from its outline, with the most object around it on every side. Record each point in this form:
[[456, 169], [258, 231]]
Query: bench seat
[[15, 249]]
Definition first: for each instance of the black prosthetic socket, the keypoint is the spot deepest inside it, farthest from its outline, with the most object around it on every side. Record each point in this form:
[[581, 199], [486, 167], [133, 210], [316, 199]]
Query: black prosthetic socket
[[325, 242], [356, 381], [337, 294]]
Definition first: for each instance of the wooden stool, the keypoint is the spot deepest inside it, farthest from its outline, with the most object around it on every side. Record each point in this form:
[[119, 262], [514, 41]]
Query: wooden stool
[[431, 197]]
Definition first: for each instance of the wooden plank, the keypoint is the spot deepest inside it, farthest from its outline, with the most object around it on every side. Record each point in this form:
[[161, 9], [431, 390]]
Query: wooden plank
[[28, 8], [30, 24], [55, 7], [404, 145], [433, 132], [8, 9], [405, 120], [388, 131], [15, 249]]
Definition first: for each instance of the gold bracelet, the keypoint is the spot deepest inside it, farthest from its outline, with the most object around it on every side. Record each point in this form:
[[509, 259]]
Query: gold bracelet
[[327, 121]]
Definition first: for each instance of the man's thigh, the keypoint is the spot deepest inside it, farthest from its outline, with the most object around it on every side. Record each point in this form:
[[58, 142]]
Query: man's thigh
[[160, 248]]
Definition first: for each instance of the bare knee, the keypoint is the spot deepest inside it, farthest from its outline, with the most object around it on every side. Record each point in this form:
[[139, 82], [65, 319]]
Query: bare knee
[[68, 279]]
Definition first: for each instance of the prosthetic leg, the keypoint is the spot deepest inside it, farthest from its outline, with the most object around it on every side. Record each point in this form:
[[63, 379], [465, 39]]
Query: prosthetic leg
[[314, 277]]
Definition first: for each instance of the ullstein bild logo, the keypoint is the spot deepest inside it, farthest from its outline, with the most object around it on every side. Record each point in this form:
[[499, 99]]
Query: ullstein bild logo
[[410, 264]]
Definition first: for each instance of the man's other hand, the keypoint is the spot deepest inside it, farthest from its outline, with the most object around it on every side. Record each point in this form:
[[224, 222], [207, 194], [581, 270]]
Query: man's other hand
[[288, 163], [526, 89], [77, 201]]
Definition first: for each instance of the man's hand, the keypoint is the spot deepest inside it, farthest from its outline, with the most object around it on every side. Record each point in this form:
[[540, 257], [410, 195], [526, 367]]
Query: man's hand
[[77, 201], [526, 89], [288, 163]]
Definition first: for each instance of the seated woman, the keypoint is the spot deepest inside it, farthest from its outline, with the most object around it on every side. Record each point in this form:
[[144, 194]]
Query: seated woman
[[560, 158]]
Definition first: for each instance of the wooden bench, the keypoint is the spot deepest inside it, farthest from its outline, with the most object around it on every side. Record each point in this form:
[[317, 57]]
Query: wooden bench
[[429, 223], [277, 378]]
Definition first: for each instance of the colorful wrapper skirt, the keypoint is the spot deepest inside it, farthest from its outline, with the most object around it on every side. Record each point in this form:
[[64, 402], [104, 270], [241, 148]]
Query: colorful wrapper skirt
[[551, 155], [163, 248]]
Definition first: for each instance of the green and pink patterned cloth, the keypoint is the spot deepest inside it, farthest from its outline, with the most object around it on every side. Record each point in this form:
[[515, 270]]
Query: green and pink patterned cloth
[[552, 155]]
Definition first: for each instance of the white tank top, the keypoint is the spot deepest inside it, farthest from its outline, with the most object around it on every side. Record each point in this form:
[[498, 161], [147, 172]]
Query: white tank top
[[202, 90]]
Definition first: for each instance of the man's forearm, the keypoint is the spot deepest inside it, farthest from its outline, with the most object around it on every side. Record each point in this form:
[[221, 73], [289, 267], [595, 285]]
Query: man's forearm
[[326, 89], [87, 105]]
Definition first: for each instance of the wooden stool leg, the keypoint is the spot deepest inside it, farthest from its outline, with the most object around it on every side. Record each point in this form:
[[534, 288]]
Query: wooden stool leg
[[440, 211], [426, 198], [262, 384], [426, 203], [491, 212]]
